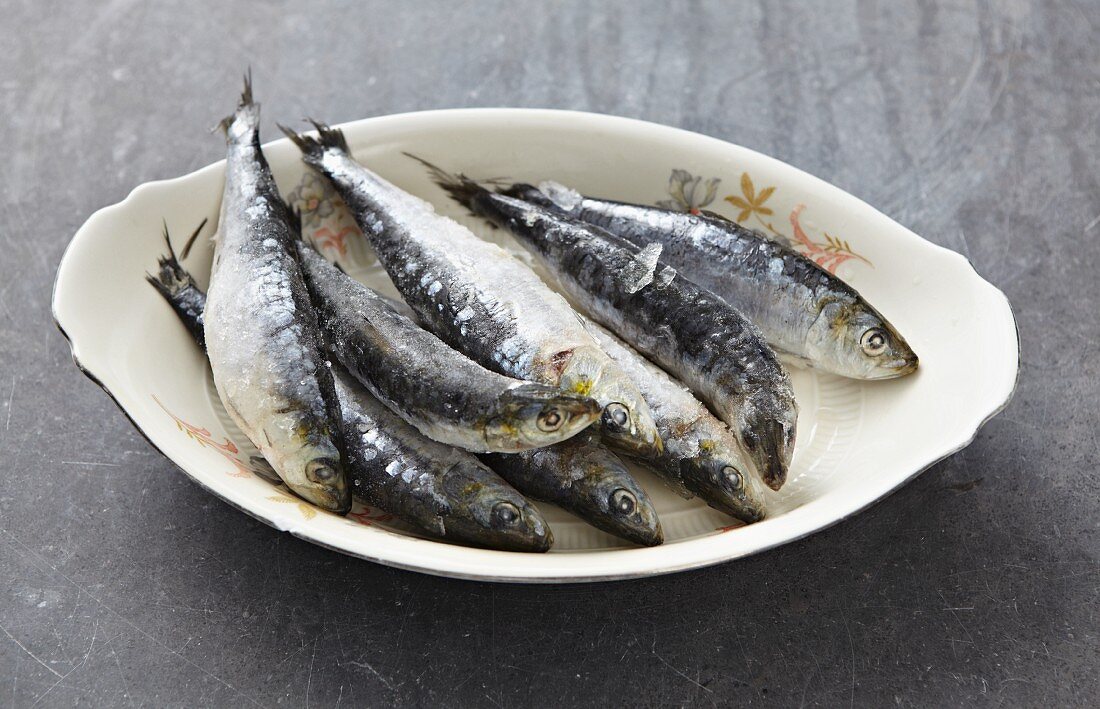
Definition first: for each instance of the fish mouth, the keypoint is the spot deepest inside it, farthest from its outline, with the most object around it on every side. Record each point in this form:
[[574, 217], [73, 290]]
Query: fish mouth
[[728, 490], [634, 444], [539, 537], [532, 534], [906, 365], [579, 413], [898, 367], [630, 515], [535, 415], [336, 500], [769, 451], [478, 525], [743, 510]]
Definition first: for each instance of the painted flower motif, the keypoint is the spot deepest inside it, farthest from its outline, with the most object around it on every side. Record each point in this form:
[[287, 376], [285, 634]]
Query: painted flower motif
[[828, 254], [205, 439], [314, 198], [689, 193], [307, 510], [750, 202]]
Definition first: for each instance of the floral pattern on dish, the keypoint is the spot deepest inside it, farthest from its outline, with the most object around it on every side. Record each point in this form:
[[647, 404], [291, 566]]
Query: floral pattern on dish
[[693, 194], [327, 223]]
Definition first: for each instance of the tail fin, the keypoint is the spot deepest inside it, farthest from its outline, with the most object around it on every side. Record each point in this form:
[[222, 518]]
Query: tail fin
[[313, 148], [190, 240], [177, 287], [246, 119], [461, 188], [171, 277]]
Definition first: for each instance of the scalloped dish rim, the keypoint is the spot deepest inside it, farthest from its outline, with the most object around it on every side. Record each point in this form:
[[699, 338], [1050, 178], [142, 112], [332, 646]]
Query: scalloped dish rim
[[443, 559]]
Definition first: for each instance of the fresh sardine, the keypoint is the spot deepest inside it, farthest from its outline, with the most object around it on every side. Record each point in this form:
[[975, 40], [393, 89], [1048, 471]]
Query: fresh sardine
[[447, 396], [478, 298], [700, 455], [686, 329], [261, 330], [584, 478], [802, 309], [443, 491], [437, 489]]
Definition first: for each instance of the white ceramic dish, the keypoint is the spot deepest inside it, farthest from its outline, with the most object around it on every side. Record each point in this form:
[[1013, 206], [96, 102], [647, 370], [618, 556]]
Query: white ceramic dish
[[856, 443]]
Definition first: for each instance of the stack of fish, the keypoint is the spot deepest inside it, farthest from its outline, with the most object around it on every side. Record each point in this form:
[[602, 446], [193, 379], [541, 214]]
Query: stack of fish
[[485, 386]]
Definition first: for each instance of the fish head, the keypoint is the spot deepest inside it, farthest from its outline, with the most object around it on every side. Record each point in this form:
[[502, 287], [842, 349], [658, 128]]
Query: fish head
[[486, 511], [765, 429], [536, 415], [611, 498], [322, 480], [625, 422], [718, 477], [863, 344], [315, 470]]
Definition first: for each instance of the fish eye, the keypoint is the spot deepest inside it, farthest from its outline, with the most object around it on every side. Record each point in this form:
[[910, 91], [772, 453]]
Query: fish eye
[[550, 420], [320, 472], [733, 477], [623, 501], [873, 342], [504, 514], [615, 414]]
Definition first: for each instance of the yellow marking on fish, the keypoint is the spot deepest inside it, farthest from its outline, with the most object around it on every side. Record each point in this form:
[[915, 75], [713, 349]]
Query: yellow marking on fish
[[583, 386]]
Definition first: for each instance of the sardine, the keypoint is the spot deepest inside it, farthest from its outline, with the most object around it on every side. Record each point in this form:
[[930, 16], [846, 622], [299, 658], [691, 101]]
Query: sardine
[[261, 330], [686, 329], [478, 298], [436, 489], [700, 455], [443, 491], [447, 396], [585, 478], [803, 310]]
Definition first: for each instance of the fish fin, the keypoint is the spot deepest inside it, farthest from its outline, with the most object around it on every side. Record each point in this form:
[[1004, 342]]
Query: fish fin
[[715, 215], [461, 188], [191, 239], [790, 359], [262, 468], [246, 119], [171, 277], [639, 273], [313, 148], [518, 190]]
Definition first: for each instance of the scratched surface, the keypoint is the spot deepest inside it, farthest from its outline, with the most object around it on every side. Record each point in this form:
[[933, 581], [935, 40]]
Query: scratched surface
[[973, 123]]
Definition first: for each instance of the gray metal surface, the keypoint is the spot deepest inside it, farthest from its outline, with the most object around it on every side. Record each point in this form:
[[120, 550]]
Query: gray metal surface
[[973, 123]]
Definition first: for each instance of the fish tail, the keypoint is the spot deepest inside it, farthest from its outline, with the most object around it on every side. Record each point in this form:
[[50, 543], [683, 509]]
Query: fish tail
[[171, 277], [190, 240], [244, 123], [461, 188], [314, 148]]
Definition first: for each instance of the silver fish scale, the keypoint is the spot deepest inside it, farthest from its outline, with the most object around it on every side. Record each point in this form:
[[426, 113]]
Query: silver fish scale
[[474, 295], [684, 328], [681, 419], [777, 288], [677, 324], [397, 463], [442, 392], [261, 332]]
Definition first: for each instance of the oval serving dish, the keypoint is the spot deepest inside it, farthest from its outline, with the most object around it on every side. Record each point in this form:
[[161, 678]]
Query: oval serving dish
[[857, 441]]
